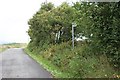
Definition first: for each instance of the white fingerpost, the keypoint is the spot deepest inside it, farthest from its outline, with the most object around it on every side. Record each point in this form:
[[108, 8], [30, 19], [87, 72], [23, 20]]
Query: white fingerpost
[[73, 38]]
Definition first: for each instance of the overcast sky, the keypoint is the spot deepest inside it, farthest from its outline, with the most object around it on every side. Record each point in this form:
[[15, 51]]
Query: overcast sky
[[14, 15]]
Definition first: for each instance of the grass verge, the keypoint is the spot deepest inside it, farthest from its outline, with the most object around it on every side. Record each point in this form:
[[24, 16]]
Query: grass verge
[[4, 47], [55, 71], [63, 62]]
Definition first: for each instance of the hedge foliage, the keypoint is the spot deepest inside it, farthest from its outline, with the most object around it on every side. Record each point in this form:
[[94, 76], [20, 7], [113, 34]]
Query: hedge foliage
[[102, 20], [100, 23]]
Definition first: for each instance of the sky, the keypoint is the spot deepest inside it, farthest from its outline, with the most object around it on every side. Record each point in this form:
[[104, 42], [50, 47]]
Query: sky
[[14, 15]]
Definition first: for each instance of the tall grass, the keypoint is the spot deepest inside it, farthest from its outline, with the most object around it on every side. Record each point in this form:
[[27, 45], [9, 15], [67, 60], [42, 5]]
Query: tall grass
[[80, 62]]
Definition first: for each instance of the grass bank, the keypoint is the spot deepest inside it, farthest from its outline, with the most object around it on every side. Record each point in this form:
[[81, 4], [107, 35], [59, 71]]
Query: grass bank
[[55, 71], [64, 62]]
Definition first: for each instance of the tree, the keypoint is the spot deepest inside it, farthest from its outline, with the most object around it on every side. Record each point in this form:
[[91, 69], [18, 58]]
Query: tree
[[48, 22], [101, 20]]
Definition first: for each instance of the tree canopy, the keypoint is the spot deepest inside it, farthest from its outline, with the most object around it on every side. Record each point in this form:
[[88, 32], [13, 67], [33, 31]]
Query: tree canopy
[[99, 22]]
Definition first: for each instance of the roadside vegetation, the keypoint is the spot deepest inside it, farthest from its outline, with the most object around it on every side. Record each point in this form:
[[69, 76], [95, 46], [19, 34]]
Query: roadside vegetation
[[97, 56], [4, 47], [64, 62]]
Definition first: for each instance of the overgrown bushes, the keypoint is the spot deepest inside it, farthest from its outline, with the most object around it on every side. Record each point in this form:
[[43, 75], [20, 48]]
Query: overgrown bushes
[[102, 21], [50, 33], [76, 63]]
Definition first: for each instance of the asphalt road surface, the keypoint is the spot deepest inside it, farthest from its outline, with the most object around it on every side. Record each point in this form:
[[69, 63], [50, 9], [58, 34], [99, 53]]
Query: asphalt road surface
[[14, 63]]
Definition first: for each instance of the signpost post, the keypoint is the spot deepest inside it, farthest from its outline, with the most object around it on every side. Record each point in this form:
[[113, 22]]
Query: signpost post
[[73, 38], [46, 1]]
